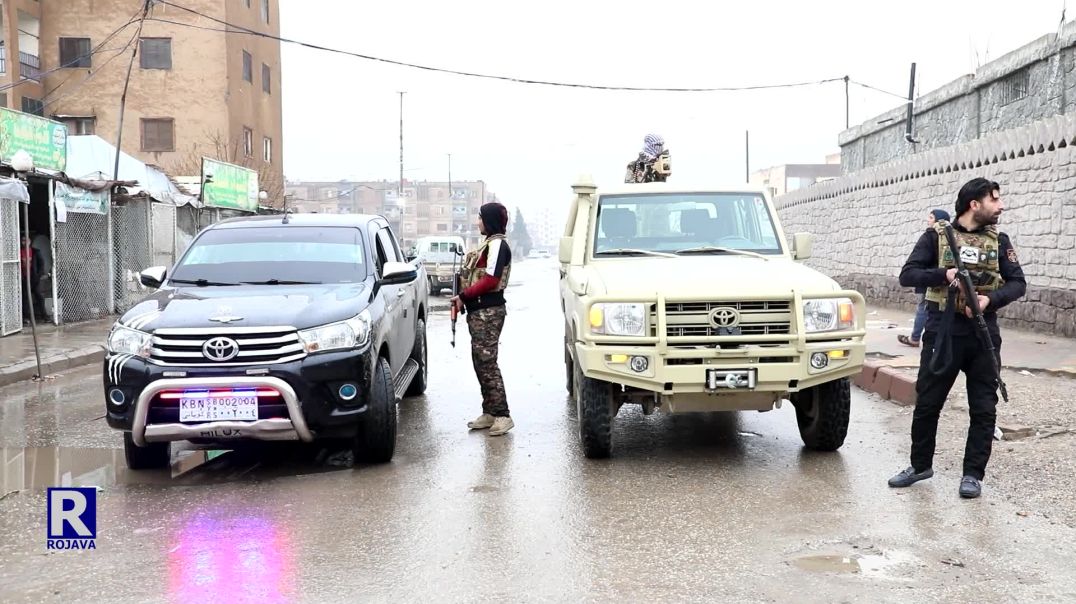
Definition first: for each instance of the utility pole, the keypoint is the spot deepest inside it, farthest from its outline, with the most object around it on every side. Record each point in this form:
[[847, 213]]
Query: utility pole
[[399, 189], [747, 155], [847, 123]]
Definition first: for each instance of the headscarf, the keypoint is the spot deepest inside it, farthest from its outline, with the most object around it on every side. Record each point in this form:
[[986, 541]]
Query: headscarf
[[495, 217], [940, 215], [653, 145]]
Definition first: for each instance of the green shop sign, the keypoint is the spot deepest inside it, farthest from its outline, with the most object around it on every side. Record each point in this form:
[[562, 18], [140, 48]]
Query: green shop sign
[[45, 140], [229, 186]]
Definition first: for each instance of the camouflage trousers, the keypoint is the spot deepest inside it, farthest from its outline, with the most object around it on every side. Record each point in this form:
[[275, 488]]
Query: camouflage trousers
[[485, 326]]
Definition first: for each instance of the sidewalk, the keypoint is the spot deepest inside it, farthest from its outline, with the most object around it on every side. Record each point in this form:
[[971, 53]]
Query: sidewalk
[[1020, 350], [62, 348]]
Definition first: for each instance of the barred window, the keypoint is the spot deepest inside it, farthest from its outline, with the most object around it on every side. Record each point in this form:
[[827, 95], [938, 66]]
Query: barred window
[[1015, 87]]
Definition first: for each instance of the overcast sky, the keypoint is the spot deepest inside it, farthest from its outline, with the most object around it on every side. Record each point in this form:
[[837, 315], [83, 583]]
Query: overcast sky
[[341, 114]]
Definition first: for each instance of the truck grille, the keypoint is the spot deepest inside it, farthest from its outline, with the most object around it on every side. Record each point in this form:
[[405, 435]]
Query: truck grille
[[756, 318], [253, 346]]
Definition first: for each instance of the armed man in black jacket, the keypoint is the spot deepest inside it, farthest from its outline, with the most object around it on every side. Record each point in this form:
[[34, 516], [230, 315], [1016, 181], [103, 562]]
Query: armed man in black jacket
[[950, 342]]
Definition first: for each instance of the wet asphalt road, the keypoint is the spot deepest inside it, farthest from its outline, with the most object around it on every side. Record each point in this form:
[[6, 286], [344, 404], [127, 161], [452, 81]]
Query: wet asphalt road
[[700, 508]]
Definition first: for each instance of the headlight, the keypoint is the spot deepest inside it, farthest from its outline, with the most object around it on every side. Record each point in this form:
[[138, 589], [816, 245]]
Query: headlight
[[353, 333], [837, 314], [618, 319], [124, 340]]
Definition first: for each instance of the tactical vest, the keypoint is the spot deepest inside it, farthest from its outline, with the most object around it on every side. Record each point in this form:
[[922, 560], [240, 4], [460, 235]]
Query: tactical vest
[[979, 251], [470, 273]]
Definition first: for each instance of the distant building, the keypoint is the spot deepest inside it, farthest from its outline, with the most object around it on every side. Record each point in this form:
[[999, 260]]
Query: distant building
[[789, 177], [426, 208]]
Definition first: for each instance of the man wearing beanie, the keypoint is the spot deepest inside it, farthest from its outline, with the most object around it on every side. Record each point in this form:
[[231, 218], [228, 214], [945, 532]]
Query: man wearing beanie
[[951, 341], [484, 277]]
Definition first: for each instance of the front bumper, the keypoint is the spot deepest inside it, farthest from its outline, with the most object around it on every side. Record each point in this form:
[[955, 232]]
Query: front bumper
[[308, 406], [677, 371]]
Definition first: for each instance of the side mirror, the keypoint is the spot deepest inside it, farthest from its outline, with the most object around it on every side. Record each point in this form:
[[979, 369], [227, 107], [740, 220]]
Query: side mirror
[[153, 277], [398, 273], [565, 251], [802, 246]]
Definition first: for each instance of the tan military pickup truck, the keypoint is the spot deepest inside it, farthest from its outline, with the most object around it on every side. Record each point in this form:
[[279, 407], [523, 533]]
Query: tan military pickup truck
[[692, 300]]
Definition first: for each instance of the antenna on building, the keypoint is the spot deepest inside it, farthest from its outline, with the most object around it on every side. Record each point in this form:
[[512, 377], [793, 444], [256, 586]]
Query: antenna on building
[[911, 108]]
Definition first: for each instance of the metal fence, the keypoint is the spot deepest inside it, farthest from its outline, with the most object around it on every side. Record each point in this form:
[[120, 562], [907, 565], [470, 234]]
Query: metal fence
[[82, 266], [132, 250], [10, 286], [163, 234]]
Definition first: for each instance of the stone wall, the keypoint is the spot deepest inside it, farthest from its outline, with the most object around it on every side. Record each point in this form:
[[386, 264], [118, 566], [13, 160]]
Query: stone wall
[[866, 222], [1027, 85]]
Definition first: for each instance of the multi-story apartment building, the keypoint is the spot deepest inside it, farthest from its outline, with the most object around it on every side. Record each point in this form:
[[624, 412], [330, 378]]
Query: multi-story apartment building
[[425, 208], [194, 90]]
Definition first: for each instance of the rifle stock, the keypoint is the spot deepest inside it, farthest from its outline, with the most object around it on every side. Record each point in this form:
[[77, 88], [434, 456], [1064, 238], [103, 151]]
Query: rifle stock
[[971, 297]]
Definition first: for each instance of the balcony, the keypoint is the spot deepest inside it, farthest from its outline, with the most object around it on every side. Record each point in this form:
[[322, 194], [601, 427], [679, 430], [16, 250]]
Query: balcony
[[29, 67]]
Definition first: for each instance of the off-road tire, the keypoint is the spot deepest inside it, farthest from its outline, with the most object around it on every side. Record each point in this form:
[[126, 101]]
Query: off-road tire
[[376, 438], [153, 456], [420, 354], [822, 413], [593, 403]]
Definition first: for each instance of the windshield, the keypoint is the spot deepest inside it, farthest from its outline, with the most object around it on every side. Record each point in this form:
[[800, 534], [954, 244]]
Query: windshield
[[275, 255], [684, 222]]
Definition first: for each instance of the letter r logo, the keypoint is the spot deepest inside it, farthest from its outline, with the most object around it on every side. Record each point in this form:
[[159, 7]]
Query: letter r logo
[[72, 513]]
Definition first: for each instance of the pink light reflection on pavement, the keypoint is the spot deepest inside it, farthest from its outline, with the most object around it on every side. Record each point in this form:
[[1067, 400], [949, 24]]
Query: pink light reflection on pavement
[[231, 559]]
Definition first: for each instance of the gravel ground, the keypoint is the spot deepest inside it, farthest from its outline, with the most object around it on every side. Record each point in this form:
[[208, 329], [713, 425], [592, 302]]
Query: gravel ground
[[1036, 471]]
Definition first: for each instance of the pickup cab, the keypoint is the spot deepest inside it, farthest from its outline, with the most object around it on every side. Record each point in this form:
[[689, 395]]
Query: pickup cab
[[690, 299]]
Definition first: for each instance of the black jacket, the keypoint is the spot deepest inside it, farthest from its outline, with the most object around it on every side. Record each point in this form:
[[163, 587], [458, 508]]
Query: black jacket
[[922, 271]]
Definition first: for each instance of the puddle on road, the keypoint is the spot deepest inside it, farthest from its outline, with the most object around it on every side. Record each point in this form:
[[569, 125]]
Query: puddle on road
[[38, 468], [870, 565]]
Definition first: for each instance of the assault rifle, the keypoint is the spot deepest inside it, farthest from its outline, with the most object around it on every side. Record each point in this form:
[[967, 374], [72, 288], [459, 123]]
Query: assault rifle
[[454, 312], [972, 299]]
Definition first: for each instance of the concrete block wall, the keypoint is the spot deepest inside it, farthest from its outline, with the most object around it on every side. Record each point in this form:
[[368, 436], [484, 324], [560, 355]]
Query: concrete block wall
[[866, 222]]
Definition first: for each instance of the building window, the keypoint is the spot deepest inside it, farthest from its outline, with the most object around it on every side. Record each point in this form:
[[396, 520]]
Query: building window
[[267, 150], [248, 67], [80, 126], [267, 79], [159, 134], [75, 52], [1015, 87], [156, 53], [265, 10], [3, 99], [248, 3], [442, 228], [248, 142], [33, 106]]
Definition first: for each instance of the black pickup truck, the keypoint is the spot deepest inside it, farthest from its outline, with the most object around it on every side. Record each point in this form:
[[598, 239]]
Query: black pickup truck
[[294, 327]]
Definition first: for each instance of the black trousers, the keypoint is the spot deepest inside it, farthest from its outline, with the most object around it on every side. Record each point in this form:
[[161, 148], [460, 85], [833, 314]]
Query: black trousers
[[932, 390]]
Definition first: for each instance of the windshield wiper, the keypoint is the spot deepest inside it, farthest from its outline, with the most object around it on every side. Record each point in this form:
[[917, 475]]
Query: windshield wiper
[[624, 251], [201, 282], [280, 282], [706, 249]]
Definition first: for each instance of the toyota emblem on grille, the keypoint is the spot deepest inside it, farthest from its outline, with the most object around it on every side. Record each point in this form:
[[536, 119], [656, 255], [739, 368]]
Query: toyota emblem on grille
[[220, 349], [724, 317]]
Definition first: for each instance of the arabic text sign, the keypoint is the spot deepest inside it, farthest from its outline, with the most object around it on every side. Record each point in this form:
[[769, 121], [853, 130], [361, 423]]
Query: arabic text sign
[[45, 140], [232, 187]]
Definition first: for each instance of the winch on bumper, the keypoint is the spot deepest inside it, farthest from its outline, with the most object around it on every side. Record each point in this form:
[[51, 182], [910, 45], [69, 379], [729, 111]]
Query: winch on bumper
[[314, 396]]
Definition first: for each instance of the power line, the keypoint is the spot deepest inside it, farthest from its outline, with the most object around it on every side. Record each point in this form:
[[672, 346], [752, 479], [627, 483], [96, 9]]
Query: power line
[[87, 79], [236, 29], [99, 48], [876, 89]]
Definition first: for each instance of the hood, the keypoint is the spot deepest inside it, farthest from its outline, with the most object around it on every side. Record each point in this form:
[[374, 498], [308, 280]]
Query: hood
[[300, 306], [707, 277]]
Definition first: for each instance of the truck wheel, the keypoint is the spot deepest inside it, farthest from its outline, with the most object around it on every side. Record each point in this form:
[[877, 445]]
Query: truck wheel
[[153, 456], [418, 353], [822, 412], [593, 403], [376, 439]]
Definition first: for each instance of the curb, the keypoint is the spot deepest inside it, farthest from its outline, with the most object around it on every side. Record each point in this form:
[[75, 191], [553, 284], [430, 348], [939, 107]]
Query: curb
[[887, 382], [26, 370]]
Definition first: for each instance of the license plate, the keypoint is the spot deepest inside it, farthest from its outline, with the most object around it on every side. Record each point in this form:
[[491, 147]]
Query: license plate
[[206, 409]]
